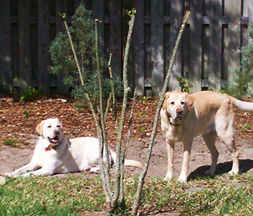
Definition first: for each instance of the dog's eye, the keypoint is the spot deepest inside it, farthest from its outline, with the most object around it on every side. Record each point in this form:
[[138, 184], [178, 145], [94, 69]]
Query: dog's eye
[[172, 103], [58, 126], [182, 102], [49, 126]]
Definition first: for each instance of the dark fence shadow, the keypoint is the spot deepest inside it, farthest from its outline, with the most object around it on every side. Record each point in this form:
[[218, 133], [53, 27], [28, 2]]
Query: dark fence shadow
[[222, 168]]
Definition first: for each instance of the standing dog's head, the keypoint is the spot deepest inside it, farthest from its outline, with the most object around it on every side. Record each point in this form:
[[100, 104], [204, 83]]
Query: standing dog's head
[[50, 129], [176, 105]]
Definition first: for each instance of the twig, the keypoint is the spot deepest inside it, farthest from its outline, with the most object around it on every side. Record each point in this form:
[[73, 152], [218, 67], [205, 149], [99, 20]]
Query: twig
[[103, 144], [113, 93], [108, 106], [126, 147], [144, 172], [123, 111]]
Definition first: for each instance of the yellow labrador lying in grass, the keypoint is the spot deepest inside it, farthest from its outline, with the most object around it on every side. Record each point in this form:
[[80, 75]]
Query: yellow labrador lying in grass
[[184, 116], [54, 153]]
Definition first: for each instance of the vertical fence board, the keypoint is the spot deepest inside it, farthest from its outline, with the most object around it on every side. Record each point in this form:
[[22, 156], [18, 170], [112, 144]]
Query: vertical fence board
[[176, 19], [215, 18], [233, 12], [157, 60], [116, 36], [147, 56], [195, 44], [138, 47], [43, 45], [61, 7], [24, 44], [77, 3], [98, 13], [5, 42]]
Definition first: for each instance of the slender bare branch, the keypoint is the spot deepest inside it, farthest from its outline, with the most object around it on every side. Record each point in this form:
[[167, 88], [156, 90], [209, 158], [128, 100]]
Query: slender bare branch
[[123, 111], [144, 172], [104, 144], [113, 93], [108, 106], [126, 147]]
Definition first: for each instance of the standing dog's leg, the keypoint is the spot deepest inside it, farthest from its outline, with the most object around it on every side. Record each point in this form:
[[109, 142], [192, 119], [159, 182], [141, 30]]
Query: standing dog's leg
[[226, 132], [170, 151], [210, 143], [230, 143], [187, 152]]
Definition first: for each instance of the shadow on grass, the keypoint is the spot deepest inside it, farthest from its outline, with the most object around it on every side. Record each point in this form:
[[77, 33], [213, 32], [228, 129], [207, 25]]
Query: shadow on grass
[[222, 168]]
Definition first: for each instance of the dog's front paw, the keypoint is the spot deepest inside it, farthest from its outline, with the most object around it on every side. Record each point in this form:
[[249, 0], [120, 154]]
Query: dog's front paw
[[167, 178], [232, 173], [94, 169], [182, 179], [11, 174], [209, 172], [27, 174]]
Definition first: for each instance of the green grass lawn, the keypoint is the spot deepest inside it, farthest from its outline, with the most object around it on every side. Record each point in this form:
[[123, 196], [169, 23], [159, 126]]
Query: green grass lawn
[[74, 195]]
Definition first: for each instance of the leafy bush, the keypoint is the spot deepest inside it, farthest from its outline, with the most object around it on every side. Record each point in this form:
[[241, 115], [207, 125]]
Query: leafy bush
[[244, 74], [30, 94], [83, 36]]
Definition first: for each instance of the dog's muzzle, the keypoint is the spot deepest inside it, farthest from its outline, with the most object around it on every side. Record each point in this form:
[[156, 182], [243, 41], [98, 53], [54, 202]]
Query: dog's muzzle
[[54, 141], [179, 114]]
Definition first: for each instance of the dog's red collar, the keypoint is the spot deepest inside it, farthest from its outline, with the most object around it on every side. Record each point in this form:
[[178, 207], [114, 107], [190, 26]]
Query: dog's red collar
[[49, 148]]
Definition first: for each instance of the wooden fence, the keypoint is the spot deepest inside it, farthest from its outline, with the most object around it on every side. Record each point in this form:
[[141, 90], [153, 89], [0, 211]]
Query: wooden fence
[[208, 56]]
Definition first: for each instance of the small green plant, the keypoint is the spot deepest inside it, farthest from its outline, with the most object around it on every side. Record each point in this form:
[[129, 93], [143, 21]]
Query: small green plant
[[29, 95], [244, 75], [10, 142], [83, 36], [140, 129], [246, 127], [26, 114], [144, 99], [184, 83]]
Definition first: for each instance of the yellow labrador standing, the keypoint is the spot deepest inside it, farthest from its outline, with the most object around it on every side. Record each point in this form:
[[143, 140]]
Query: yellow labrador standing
[[184, 116], [54, 153]]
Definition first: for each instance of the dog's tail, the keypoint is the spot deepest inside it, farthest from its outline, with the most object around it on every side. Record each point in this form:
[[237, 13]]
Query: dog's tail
[[242, 105], [127, 161]]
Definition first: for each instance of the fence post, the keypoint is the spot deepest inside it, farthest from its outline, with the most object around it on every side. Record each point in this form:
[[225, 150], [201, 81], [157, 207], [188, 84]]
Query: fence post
[[116, 36], [24, 44], [138, 48], [196, 31], [233, 12], [5, 43], [176, 19], [215, 26], [157, 57], [43, 45]]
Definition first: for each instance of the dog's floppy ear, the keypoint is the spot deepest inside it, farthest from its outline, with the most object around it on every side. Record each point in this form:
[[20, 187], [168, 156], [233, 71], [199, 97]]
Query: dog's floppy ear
[[166, 96], [189, 101], [39, 128]]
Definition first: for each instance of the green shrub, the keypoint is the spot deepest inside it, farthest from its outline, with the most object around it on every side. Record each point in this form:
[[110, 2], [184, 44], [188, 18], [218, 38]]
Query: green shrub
[[83, 36], [30, 94], [244, 74]]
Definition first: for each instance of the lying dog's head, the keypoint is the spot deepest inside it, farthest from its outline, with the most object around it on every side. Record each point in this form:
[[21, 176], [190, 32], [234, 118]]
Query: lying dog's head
[[50, 129], [176, 105]]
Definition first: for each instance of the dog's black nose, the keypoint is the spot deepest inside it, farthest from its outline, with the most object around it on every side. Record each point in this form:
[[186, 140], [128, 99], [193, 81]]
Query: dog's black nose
[[56, 132], [179, 113]]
